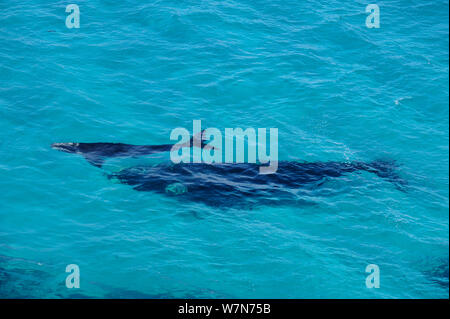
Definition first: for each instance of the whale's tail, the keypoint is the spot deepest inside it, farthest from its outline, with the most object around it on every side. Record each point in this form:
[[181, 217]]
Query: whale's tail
[[386, 169]]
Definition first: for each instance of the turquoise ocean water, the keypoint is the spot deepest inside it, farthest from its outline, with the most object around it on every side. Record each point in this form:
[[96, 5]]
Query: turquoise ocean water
[[134, 70]]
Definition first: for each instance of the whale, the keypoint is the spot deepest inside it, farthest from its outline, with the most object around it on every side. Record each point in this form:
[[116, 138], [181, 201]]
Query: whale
[[97, 153], [233, 184], [224, 184]]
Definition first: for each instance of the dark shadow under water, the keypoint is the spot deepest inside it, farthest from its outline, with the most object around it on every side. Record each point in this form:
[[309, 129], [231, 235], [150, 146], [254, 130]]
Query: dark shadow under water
[[229, 185], [439, 273]]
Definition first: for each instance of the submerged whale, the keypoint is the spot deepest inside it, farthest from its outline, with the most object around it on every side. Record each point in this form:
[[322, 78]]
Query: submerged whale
[[220, 184], [233, 184]]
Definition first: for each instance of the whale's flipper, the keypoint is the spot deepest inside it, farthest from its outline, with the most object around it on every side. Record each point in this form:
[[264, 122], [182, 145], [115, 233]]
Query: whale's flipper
[[94, 159], [176, 189]]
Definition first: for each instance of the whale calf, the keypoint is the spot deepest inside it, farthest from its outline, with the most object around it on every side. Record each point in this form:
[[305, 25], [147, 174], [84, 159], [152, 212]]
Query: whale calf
[[97, 153]]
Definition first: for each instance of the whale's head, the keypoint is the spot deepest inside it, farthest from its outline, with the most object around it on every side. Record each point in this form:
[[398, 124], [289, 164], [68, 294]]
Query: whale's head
[[66, 147]]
